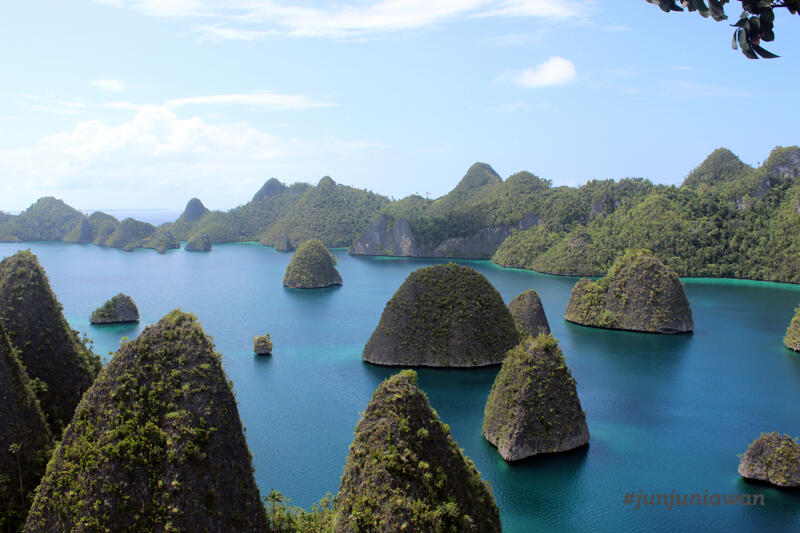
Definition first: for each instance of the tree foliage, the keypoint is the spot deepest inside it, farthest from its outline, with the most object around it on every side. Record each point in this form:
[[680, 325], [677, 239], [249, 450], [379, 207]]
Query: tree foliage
[[755, 24]]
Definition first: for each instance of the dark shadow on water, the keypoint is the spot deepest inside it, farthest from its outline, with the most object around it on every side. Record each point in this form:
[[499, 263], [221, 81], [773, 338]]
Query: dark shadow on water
[[311, 292], [123, 328]]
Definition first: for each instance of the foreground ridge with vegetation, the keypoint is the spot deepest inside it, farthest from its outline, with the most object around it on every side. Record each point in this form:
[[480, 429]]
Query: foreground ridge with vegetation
[[156, 444], [60, 364], [405, 472], [726, 219], [639, 293], [443, 316], [25, 440]]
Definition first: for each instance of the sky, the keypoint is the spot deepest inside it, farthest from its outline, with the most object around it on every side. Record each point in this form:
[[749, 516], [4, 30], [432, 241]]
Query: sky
[[126, 104]]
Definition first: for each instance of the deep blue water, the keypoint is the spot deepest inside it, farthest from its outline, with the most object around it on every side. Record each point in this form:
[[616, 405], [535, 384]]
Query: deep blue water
[[665, 412]]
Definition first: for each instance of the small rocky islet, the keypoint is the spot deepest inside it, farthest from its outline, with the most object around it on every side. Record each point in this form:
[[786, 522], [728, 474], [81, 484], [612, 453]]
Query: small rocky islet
[[120, 309], [639, 293], [405, 472], [528, 314], [772, 458], [200, 242], [262, 344], [533, 406], [443, 316], [312, 267]]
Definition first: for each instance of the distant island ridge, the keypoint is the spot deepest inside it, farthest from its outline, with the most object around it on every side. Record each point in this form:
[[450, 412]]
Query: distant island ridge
[[706, 227]]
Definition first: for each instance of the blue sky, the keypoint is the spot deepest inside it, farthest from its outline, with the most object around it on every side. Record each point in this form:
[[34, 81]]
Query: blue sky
[[146, 103]]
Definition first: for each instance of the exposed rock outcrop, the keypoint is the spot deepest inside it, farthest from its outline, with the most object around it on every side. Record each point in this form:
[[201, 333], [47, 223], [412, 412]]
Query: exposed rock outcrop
[[50, 350], [639, 293], [404, 472], [283, 244], [119, 309], [534, 406], [792, 337], [444, 316], [528, 314], [199, 243], [773, 458], [25, 440], [156, 444], [312, 267], [262, 344]]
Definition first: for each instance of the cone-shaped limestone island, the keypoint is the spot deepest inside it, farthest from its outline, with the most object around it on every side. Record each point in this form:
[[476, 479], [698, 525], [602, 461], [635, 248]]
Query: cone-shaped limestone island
[[639, 293], [404, 472], [118, 310], [773, 458], [262, 344], [283, 244], [50, 350], [25, 440], [312, 267], [443, 316], [792, 337], [528, 314], [199, 243], [156, 444], [534, 406]]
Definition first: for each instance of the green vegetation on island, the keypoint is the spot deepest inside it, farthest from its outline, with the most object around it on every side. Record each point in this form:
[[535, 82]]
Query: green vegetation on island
[[792, 337], [119, 309], [311, 267], [534, 407], [60, 364], [200, 242], [444, 316], [528, 314], [156, 444], [405, 472], [25, 440], [639, 293], [262, 344], [772, 458]]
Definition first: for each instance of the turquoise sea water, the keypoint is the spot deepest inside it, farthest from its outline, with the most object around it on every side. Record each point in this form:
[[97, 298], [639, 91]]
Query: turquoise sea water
[[665, 412]]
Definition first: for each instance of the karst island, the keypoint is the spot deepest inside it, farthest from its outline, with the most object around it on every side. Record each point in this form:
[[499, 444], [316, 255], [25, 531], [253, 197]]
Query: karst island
[[120, 309], [528, 313], [772, 458], [639, 293], [534, 407], [443, 316], [312, 267]]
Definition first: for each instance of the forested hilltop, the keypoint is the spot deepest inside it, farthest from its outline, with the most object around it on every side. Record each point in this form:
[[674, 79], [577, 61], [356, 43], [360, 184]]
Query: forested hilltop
[[726, 219]]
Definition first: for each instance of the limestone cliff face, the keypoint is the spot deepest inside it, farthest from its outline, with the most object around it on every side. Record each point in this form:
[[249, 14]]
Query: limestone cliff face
[[534, 407], [49, 349], [119, 309], [773, 458], [639, 293], [156, 444], [194, 211], [199, 243], [443, 316], [405, 472], [312, 267], [283, 244], [387, 236], [25, 440], [528, 313]]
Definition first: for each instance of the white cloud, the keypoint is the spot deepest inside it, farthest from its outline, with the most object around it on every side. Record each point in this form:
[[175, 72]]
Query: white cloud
[[273, 101], [50, 105], [157, 159], [554, 71], [342, 19], [109, 85]]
